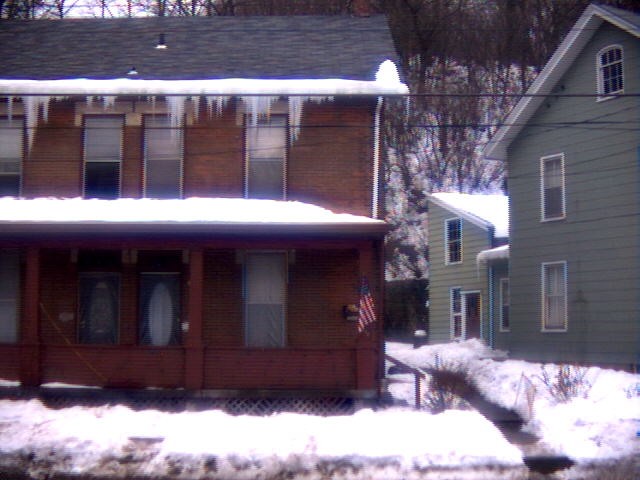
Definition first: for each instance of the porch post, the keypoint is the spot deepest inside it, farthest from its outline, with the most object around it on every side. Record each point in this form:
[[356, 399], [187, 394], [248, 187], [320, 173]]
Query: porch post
[[365, 345], [29, 322], [194, 351]]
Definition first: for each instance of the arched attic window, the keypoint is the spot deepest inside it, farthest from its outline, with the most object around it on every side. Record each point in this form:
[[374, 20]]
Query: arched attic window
[[610, 71]]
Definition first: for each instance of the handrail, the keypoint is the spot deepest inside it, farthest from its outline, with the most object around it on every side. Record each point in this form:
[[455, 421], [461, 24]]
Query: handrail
[[417, 374]]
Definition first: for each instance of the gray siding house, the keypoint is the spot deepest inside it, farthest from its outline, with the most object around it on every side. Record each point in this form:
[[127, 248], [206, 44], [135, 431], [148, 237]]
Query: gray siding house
[[462, 295], [573, 152]]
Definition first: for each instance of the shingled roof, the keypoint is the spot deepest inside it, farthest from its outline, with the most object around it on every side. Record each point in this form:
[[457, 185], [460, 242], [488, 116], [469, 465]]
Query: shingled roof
[[269, 47]]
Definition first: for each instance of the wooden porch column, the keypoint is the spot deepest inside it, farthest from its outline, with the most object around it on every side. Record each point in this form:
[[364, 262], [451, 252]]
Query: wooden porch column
[[194, 350], [30, 321], [366, 364]]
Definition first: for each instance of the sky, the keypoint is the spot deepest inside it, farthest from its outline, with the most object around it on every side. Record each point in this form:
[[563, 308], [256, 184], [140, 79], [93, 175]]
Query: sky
[[386, 443]]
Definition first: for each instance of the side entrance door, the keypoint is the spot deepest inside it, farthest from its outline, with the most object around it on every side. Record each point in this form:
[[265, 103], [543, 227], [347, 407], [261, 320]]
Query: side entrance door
[[471, 313]]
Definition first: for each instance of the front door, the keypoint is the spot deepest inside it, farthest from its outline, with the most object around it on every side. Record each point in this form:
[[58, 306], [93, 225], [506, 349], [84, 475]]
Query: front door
[[471, 311]]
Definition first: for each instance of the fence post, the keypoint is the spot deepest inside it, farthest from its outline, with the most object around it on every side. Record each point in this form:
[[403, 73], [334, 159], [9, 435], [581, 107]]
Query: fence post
[[416, 376]]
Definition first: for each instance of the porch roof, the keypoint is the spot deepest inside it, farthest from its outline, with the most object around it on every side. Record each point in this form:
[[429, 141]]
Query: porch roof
[[190, 215]]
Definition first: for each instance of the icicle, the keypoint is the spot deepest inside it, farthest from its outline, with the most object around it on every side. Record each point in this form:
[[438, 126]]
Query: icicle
[[176, 110], [31, 110], [10, 108], [196, 106], [296, 104], [259, 106], [108, 101]]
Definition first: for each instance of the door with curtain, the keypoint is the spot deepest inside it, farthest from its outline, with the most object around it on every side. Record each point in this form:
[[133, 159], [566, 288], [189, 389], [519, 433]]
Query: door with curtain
[[160, 309], [265, 299]]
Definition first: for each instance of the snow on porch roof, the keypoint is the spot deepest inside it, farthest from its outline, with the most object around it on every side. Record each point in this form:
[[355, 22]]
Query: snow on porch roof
[[209, 213], [483, 210]]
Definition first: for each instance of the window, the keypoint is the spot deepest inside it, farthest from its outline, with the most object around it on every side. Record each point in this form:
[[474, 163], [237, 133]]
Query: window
[[266, 158], [160, 308], [554, 296], [455, 296], [453, 240], [552, 187], [163, 145], [265, 298], [505, 301], [610, 73], [99, 307], [102, 156], [9, 295], [11, 138]]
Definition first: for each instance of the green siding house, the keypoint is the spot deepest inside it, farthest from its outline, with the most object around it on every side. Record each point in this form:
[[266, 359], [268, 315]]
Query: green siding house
[[467, 245], [572, 146]]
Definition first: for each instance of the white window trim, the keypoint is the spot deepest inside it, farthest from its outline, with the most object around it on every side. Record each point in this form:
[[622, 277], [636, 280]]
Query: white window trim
[[19, 118], [446, 241], [84, 153], [181, 131], [600, 78], [565, 328], [542, 188], [452, 329], [502, 282]]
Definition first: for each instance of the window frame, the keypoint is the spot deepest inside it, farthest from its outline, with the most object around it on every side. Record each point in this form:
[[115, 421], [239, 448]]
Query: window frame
[[86, 161], [505, 286], [544, 188], [544, 280], [177, 130], [448, 242], [245, 296], [602, 79], [19, 119], [250, 123], [13, 298], [453, 314]]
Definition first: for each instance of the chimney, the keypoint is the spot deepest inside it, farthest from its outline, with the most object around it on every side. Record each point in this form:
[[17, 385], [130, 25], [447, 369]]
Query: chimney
[[362, 8]]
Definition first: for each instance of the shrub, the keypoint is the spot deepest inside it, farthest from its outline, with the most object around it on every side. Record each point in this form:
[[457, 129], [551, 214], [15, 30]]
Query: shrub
[[565, 382], [446, 386]]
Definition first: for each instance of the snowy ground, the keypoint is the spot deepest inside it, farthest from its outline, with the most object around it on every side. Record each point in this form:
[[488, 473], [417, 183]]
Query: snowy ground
[[391, 443]]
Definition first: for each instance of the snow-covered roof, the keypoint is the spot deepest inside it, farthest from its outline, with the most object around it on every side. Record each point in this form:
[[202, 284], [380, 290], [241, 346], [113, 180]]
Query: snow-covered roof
[[483, 210], [556, 67], [493, 254], [205, 214]]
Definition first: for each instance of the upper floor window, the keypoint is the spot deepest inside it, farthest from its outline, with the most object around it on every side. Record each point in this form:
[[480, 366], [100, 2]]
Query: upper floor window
[[9, 295], [552, 189], [505, 302], [266, 158], [102, 156], [11, 138], [453, 240], [163, 146], [610, 71], [554, 296]]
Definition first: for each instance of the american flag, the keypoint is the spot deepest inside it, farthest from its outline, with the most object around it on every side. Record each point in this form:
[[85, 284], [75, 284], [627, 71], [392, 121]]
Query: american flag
[[366, 314]]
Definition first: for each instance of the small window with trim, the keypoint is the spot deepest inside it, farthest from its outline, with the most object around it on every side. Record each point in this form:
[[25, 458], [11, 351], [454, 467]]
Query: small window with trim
[[11, 149], [610, 72], [554, 296], [102, 156], [453, 240], [455, 309], [9, 295], [552, 188]]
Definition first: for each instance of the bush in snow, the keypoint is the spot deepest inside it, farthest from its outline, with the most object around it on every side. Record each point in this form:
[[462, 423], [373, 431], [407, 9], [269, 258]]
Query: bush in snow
[[565, 382], [446, 386]]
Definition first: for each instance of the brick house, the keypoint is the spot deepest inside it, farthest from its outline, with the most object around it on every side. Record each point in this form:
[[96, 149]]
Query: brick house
[[193, 203]]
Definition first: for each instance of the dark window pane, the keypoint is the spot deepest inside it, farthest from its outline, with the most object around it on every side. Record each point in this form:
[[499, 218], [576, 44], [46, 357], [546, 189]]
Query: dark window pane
[[266, 179], [9, 185], [102, 180]]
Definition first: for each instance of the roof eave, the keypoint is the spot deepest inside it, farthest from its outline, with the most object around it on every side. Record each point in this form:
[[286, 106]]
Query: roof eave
[[556, 67]]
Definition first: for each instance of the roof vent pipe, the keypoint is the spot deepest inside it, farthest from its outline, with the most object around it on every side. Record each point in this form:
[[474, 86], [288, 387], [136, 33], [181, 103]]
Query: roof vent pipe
[[162, 44]]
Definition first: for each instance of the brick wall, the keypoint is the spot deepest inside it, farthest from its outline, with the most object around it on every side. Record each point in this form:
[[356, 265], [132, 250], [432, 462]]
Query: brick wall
[[330, 164]]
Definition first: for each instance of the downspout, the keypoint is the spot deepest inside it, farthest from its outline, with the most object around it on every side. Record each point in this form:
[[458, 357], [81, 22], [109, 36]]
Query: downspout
[[376, 159], [490, 336]]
